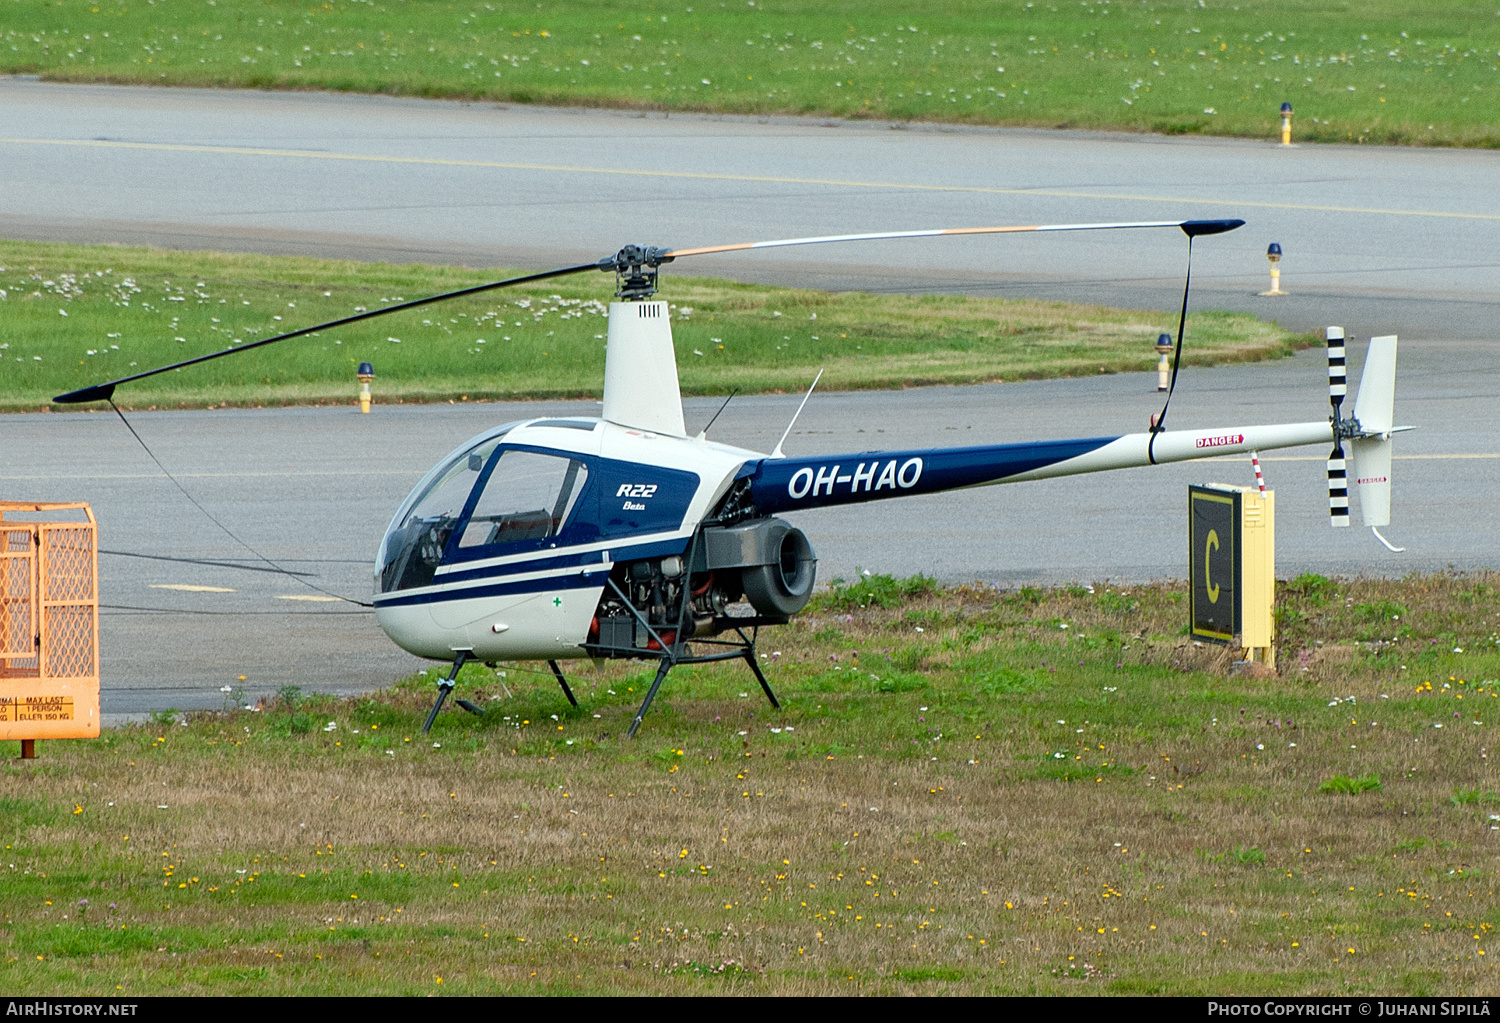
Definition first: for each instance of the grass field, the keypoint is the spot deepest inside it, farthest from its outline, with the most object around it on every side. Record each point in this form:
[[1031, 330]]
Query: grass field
[[967, 791], [1390, 71], [77, 315]]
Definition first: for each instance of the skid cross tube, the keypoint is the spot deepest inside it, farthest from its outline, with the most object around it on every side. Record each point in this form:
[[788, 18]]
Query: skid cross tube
[[661, 673], [460, 658], [669, 660], [670, 655], [685, 604], [744, 652]]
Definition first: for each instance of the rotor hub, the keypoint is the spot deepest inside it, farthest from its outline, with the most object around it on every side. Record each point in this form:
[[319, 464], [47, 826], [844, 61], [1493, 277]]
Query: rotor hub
[[635, 268]]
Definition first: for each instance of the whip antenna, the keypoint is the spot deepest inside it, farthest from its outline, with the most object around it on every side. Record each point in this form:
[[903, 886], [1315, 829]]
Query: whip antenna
[[777, 453], [715, 419]]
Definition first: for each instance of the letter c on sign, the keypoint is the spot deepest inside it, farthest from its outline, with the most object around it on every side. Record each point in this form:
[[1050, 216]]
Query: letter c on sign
[[805, 476], [1208, 549], [913, 464]]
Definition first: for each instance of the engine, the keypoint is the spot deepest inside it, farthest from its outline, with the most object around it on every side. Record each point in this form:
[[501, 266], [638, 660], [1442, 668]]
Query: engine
[[767, 561]]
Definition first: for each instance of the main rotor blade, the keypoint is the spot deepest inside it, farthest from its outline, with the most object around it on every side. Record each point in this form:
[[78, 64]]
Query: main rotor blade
[[105, 391], [631, 259], [1189, 227]]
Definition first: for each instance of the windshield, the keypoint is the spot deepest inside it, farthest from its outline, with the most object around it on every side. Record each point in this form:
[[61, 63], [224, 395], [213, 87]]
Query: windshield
[[415, 546]]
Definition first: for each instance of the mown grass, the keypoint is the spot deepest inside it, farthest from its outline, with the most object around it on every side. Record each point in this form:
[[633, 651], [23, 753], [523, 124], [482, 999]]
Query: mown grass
[[78, 315], [967, 791], [1384, 71]]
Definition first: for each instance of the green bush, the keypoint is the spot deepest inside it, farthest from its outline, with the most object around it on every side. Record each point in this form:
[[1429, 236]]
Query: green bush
[[1317, 589], [1287, 615], [878, 591], [1342, 784], [1380, 610], [897, 682], [1026, 595]]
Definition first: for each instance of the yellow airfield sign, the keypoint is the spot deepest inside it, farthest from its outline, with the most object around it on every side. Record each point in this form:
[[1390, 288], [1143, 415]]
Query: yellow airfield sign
[[1232, 567]]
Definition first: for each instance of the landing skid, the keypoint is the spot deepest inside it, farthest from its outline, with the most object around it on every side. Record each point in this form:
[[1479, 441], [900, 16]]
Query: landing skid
[[461, 658], [678, 652], [668, 655], [563, 682]]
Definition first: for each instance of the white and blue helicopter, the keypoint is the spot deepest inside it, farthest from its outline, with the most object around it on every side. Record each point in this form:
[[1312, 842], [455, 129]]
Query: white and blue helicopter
[[622, 536]]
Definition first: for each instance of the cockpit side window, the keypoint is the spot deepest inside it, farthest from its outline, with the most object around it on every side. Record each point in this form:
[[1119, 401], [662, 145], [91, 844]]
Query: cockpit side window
[[528, 496]]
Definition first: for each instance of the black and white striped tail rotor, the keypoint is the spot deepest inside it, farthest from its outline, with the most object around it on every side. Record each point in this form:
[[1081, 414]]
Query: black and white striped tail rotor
[[1338, 388]]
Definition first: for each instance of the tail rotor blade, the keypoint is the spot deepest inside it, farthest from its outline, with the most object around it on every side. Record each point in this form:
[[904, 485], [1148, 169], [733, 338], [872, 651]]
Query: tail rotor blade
[[1338, 388], [1338, 381], [1338, 486]]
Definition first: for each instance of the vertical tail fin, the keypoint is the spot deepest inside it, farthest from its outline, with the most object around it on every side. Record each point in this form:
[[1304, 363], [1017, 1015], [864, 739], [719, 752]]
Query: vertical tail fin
[[1375, 411]]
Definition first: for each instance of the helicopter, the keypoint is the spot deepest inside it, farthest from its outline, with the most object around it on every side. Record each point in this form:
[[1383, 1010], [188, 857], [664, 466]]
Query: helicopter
[[622, 536]]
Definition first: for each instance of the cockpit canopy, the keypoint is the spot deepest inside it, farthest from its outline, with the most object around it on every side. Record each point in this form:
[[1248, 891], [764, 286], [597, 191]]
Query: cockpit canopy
[[504, 494]]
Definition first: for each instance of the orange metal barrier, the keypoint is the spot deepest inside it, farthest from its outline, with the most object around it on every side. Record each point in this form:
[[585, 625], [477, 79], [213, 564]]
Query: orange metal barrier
[[49, 622]]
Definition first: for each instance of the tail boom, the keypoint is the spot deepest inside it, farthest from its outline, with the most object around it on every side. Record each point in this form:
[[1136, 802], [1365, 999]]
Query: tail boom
[[790, 484]]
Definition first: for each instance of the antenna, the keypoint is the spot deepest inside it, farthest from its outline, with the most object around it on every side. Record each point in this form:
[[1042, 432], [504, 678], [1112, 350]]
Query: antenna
[[704, 432], [777, 453], [1338, 387]]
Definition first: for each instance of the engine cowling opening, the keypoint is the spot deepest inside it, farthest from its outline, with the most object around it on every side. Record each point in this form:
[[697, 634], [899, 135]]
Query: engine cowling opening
[[784, 585]]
